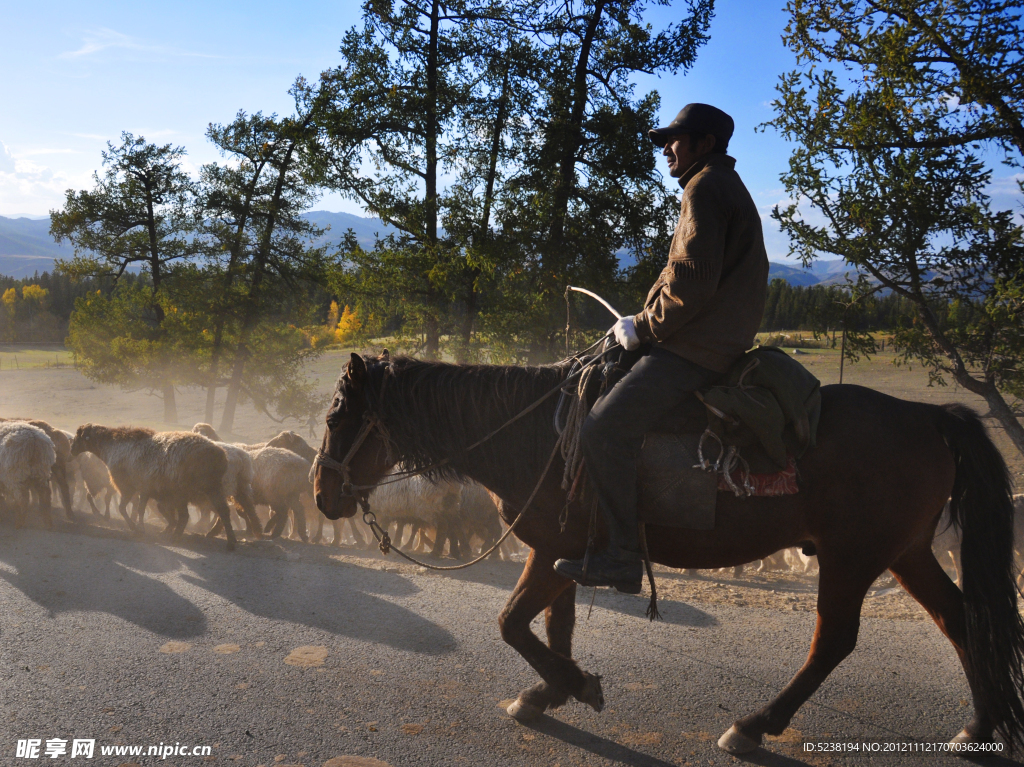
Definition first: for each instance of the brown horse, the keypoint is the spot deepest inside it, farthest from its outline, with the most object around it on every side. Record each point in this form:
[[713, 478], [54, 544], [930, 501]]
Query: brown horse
[[871, 495]]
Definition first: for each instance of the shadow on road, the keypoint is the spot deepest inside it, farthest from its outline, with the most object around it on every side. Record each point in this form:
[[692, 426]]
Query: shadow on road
[[103, 571], [62, 575], [339, 600], [595, 744]]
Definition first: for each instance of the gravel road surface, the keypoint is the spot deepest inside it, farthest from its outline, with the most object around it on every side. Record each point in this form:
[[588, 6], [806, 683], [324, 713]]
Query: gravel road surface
[[283, 654]]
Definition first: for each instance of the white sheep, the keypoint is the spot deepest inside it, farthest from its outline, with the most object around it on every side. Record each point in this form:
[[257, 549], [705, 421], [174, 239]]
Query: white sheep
[[281, 481], [289, 440], [95, 480], [238, 486], [419, 503], [60, 473], [174, 468], [27, 456]]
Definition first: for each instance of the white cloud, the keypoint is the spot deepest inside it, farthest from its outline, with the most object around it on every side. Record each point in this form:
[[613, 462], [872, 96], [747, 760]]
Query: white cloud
[[102, 39], [27, 187], [6, 159]]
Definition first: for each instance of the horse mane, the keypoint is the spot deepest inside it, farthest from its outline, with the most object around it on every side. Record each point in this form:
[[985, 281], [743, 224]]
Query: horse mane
[[432, 411]]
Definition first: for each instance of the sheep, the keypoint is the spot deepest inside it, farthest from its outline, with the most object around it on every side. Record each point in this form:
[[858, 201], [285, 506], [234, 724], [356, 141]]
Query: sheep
[[27, 456], [175, 468], [95, 480], [420, 503], [281, 481], [289, 440], [238, 486], [62, 446], [479, 515]]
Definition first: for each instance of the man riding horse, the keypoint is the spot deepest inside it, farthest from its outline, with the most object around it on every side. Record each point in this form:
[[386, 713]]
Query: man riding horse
[[700, 316]]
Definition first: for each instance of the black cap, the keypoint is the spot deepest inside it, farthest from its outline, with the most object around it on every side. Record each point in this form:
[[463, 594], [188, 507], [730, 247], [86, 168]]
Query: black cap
[[697, 118]]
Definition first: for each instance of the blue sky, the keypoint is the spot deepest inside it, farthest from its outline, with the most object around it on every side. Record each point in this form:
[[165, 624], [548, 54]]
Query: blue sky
[[78, 74]]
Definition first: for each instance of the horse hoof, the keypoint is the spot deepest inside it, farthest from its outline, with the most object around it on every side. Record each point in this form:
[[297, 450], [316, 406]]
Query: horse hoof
[[591, 694], [735, 742], [965, 737], [523, 712]]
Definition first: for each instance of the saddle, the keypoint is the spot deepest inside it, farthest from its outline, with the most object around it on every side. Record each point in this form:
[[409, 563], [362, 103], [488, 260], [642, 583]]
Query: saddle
[[742, 435]]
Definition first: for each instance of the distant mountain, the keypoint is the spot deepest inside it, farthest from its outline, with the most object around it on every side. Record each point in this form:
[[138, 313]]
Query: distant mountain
[[26, 246], [831, 272], [366, 229], [794, 275]]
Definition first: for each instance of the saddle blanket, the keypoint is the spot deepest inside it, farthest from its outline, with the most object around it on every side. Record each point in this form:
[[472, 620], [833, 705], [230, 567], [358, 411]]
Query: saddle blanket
[[777, 483], [675, 492]]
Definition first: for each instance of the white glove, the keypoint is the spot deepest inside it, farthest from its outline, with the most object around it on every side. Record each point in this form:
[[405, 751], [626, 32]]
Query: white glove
[[625, 334]]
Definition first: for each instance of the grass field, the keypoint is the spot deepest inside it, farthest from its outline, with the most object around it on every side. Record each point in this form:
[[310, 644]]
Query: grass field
[[18, 357]]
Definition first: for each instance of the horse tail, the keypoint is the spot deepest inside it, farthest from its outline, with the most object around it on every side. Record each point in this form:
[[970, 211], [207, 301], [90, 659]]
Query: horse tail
[[981, 508]]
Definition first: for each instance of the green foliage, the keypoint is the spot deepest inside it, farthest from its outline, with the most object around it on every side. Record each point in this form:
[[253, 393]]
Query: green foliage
[[137, 213], [118, 340], [887, 170], [257, 255], [226, 264], [531, 109]]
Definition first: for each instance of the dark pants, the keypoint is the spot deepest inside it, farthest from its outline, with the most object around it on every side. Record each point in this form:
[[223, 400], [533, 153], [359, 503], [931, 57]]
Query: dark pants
[[614, 431]]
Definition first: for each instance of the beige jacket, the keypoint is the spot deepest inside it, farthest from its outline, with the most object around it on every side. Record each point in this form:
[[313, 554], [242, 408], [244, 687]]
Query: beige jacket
[[708, 302]]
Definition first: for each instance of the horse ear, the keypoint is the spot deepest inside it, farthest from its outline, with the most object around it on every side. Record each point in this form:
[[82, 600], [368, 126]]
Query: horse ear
[[385, 356], [356, 369]]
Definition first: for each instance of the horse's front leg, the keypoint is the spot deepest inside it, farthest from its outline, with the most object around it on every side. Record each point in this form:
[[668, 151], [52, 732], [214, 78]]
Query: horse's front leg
[[559, 622], [540, 588]]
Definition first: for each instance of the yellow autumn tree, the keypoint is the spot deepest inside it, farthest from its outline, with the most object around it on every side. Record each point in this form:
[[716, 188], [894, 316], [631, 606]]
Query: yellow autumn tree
[[347, 326], [8, 303]]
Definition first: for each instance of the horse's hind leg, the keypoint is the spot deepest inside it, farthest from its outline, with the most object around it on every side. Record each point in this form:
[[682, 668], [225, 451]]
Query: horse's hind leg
[[540, 587], [922, 576], [841, 593]]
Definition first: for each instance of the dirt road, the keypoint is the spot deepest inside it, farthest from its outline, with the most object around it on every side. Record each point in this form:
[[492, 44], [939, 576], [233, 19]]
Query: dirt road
[[284, 654]]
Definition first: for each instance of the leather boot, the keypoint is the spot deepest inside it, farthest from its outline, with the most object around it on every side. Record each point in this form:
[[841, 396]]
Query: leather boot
[[618, 568]]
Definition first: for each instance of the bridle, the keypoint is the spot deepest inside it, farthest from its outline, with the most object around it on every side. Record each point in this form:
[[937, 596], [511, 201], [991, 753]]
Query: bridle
[[370, 422]]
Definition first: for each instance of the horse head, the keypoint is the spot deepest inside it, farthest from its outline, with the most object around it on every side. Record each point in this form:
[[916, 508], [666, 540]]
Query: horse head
[[355, 449]]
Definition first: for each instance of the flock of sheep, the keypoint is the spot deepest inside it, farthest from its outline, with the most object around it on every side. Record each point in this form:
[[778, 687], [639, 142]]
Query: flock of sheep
[[262, 489], [222, 488]]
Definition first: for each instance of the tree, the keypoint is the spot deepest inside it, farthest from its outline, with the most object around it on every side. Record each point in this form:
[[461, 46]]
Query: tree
[[588, 188], [964, 52], [137, 215], [529, 106], [393, 100], [891, 167], [259, 251]]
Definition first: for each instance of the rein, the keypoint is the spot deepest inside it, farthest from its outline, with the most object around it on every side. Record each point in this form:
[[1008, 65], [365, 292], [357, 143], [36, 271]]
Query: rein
[[362, 495]]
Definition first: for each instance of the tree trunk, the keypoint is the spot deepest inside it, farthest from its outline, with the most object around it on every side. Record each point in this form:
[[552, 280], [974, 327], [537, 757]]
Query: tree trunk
[[432, 332], [997, 405], [170, 404], [211, 389], [1003, 413], [467, 321], [571, 138], [211, 400], [227, 421]]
